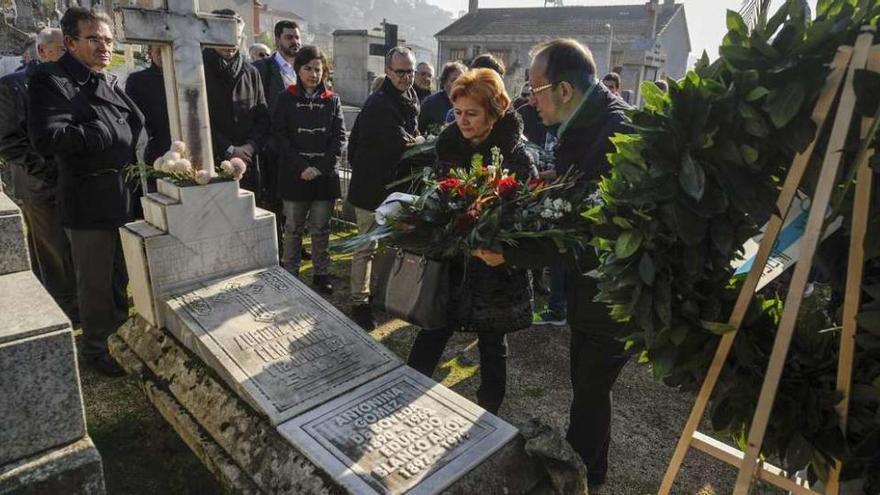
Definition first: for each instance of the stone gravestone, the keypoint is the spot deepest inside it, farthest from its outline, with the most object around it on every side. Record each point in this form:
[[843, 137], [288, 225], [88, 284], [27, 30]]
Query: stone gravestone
[[293, 396], [44, 446]]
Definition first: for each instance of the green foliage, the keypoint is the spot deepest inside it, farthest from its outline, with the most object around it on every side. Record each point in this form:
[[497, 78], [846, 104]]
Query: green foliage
[[699, 178]]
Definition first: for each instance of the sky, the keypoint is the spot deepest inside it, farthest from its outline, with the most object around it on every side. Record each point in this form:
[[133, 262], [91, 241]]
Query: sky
[[706, 18]]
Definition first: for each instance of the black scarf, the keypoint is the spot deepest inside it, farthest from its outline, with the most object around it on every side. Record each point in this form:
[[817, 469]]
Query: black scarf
[[228, 68]]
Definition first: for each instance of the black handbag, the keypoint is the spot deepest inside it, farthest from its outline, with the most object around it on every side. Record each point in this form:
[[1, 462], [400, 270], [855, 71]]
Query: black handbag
[[412, 287]]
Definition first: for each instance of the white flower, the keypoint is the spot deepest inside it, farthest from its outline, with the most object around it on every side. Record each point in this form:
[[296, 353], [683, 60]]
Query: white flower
[[505, 172], [418, 140], [178, 147], [557, 203], [183, 165], [202, 177], [171, 156], [159, 164], [546, 213], [491, 169], [226, 167]]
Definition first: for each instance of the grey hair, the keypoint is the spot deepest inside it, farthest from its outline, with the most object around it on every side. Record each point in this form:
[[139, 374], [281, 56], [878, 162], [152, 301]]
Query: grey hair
[[48, 35], [398, 50], [425, 64]]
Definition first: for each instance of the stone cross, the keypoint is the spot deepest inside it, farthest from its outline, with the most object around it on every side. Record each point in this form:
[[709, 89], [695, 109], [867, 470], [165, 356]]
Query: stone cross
[[182, 31]]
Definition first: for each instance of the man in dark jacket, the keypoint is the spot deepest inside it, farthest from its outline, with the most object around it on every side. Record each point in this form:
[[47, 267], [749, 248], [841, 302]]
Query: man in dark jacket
[[380, 134], [35, 179], [237, 109], [276, 71], [423, 80], [147, 89], [585, 115], [80, 115], [434, 108]]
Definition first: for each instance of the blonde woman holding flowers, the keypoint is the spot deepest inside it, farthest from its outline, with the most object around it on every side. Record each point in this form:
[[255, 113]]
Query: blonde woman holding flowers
[[489, 301]]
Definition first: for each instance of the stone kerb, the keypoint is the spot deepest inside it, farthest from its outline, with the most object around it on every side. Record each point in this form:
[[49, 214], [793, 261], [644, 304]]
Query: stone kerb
[[193, 234]]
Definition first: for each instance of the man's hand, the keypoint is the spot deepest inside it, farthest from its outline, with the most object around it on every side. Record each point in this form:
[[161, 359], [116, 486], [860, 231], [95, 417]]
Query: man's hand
[[548, 174], [490, 258], [309, 173], [245, 152]]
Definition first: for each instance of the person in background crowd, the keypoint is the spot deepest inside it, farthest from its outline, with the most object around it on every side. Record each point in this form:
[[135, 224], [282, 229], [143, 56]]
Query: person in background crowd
[[435, 107], [566, 94], [424, 80], [495, 300], [377, 83], [382, 130], [663, 85], [276, 74], [35, 179], [484, 61], [81, 116], [310, 133], [237, 108], [612, 82], [147, 89], [533, 128], [29, 54], [259, 51]]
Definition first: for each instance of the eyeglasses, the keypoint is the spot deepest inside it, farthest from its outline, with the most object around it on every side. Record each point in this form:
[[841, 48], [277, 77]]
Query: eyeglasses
[[426, 74], [94, 41], [262, 55], [404, 73], [535, 91]]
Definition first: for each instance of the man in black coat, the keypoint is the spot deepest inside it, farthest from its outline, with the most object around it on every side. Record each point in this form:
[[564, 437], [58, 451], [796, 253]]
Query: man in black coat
[[584, 115], [237, 109], [276, 71], [424, 79], [81, 116], [35, 179], [380, 134], [147, 89], [432, 114]]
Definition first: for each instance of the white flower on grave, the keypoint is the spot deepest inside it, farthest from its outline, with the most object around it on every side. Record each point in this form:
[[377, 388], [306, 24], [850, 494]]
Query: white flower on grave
[[202, 177], [226, 167], [238, 167], [178, 147], [171, 156], [159, 164], [183, 165]]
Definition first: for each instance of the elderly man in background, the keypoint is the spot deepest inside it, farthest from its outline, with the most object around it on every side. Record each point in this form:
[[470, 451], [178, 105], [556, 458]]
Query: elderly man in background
[[423, 81], [432, 115], [259, 51], [381, 132], [35, 179], [80, 115]]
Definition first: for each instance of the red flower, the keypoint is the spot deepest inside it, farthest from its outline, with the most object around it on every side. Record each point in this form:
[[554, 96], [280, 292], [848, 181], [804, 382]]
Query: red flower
[[449, 184], [507, 186]]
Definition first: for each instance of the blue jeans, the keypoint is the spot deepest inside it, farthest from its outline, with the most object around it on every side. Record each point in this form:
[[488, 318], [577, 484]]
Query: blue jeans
[[556, 301], [317, 213]]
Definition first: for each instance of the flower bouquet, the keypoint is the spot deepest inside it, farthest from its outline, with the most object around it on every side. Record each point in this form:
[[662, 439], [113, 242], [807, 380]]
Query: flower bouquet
[[176, 166], [485, 207]]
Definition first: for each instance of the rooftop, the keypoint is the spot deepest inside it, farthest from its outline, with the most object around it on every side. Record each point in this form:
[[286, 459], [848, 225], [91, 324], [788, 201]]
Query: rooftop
[[561, 21]]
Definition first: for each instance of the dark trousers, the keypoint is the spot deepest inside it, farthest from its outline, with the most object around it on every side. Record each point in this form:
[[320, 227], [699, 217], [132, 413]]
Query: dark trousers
[[556, 302], [428, 348], [50, 254], [596, 361], [101, 280]]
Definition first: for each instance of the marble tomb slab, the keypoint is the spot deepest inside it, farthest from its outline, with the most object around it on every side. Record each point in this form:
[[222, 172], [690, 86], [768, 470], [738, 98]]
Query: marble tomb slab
[[283, 348], [13, 248], [402, 433]]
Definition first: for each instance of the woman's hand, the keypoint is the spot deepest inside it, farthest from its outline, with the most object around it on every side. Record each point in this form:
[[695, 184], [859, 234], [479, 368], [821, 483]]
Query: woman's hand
[[490, 258], [309, 174]]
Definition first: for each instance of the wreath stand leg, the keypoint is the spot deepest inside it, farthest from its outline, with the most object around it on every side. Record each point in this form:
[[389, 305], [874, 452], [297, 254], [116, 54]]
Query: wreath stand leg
[[845, 63]]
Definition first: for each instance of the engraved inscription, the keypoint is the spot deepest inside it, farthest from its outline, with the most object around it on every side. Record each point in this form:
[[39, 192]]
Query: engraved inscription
[[178, 263], [398, 435], [245, 296], [274, 281], [196, 304]]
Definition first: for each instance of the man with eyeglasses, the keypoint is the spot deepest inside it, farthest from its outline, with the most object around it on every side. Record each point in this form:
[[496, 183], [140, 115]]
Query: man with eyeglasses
[[424, 78], [383, 129], [81, 116], [584, 115], [35, 179]]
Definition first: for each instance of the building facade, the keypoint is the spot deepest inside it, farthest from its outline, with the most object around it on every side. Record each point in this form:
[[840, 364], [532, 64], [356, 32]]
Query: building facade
[[647, 41]]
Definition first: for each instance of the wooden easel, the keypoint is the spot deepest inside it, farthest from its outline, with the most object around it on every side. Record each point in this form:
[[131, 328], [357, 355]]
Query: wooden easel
[[844, 65]]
